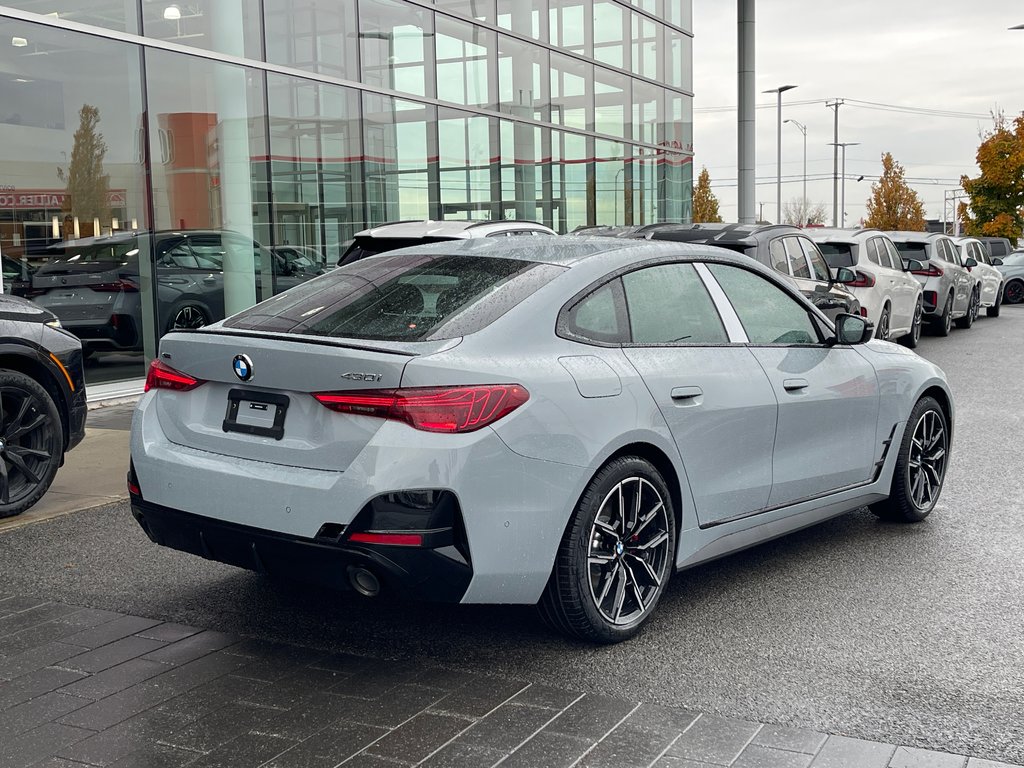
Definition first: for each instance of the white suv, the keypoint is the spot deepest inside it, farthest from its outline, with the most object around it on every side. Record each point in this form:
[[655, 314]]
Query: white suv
[[991, 279], [401, 234], [890, 296]]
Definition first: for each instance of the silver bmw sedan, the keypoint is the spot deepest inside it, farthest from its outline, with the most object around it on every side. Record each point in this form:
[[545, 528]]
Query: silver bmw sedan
[[565, 423]]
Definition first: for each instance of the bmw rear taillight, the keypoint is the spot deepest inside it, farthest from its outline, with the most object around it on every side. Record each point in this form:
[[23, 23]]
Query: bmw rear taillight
[[931, 270], [432, 409], [162, 376], [864, 280], [118, 286]]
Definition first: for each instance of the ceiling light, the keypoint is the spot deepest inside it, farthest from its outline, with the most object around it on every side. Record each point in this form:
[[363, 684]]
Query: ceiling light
[[172, 13], [19, 42]]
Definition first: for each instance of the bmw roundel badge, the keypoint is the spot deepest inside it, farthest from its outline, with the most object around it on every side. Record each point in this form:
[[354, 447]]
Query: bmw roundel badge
[[242, 365]]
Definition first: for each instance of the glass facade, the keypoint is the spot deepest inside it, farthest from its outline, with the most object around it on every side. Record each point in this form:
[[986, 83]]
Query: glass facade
[[162, 163]]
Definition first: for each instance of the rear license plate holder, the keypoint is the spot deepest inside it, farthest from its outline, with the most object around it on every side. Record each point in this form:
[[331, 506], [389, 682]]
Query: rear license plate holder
[[256, 413]]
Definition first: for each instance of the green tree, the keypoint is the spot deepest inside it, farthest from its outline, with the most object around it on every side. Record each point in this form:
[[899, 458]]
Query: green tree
[[88, 186], [705, 204], [893, 204], [997, 195]]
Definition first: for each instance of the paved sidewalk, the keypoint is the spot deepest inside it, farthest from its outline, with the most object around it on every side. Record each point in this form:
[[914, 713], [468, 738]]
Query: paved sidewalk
[[84, 687]]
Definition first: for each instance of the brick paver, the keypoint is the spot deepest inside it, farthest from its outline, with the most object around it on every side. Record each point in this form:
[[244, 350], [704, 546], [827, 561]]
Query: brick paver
[[81, 688]]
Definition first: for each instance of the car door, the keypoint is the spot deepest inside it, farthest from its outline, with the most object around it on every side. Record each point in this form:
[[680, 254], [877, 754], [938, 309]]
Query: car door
[[713, 394], [990, 277], [963, 283], [906, 289], [830, 297], [828, 395]]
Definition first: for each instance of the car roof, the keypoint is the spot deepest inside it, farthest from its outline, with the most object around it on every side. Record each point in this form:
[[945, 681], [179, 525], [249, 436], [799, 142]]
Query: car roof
[[836, 235], [914, 237], [569, 251], [454, 229], [719, 233]]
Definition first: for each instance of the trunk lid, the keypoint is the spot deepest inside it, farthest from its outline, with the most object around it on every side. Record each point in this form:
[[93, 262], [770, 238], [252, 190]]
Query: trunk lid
[[232, 417]]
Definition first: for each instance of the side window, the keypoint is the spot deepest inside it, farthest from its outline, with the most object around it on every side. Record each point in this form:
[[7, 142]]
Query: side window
[[669, 304], [873, 255], [797, 261], [175, 254], [883, 255], [819, 268], [600, 316], [777, 252], [769, 315], [894, 256], [979, 254], [209, 252], [948, 252]]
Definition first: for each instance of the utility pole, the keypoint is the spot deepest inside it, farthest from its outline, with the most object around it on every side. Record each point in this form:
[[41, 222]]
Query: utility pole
[[835, 163], [760, 216], [844, 145], [778, 137]]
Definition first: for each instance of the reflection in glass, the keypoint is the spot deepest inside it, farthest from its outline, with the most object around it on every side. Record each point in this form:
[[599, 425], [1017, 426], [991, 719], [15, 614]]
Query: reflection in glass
[[396, 41], [611, 25], [316, 169], [611, 102], [465, 53], [572, 92], [678, 57], [401, 180], [570, 25], [572, 181], [119, 15], [225, 26], [465, 168], [646, 44], [524, 174], [71, 175], [528, 18], [481, 10], [523, 79], [611, 184], [312, 35]]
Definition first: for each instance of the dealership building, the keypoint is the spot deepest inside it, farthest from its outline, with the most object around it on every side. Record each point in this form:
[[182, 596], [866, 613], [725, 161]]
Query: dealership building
[[296, 123]]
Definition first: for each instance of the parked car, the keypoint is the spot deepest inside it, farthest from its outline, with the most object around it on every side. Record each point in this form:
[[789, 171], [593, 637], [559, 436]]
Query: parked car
[[93, 285], [42, 401], [401, 234], [951, 292], [17, 276], [787, 250], [889, 295], [562, 420], [990, 279], [997, 247], [1012, 269]]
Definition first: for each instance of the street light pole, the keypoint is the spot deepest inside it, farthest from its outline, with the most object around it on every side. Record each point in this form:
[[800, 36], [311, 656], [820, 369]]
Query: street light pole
[[842, 208], [803, 203], [778, 137]]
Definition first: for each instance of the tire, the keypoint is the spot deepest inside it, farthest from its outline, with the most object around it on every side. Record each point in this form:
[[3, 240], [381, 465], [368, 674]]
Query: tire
[[882, 329], [1013, 293], [612, 559], [967, 320], [943, 324], [993, 311], [911, 340], [909, 500], [188, 317], [31, 442]]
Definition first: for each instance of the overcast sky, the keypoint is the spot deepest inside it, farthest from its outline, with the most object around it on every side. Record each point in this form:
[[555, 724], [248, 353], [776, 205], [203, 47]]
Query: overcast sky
[[935, 54]]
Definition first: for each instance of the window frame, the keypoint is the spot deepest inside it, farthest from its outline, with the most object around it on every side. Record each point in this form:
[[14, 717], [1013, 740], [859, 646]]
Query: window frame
[[668, 344], [792, 241]]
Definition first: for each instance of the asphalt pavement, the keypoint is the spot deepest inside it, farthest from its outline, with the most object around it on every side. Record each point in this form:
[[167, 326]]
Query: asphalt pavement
[[912, 635]]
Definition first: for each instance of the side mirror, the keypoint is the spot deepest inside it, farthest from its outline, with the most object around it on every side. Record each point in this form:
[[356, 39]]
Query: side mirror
[[996, 261], [853, 329], [970, 263], [913, 265], [845, 275]]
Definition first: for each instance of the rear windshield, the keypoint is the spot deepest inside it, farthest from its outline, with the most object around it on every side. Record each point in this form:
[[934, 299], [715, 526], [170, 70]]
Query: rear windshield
[[371, 246], [917, 251], [1014, 259], [407, 297], [114, 251], [837, 254]]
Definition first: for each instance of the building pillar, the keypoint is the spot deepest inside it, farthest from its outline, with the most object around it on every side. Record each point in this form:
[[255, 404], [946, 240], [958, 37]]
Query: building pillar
[[745, 126]]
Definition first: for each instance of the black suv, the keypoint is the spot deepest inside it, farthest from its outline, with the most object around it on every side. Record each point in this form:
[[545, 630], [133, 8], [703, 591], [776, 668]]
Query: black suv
[[784, 248], [42, 401]]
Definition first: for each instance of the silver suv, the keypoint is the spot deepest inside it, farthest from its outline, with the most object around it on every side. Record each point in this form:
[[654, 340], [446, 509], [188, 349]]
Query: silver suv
[[951, 292], [401, 234]]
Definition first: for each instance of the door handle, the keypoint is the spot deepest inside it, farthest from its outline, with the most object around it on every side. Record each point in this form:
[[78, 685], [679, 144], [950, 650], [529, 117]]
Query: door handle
[[794, 385], [686, 393], [209, 279]]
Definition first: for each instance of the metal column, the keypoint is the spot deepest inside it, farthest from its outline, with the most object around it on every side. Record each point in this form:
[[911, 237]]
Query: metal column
[[745, 127]]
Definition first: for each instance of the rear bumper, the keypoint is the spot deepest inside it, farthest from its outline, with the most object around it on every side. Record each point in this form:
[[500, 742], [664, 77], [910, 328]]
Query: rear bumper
[[414, 572]]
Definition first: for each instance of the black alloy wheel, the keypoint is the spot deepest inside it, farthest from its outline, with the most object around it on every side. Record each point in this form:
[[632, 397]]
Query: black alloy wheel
[[31, 442], [972, 312], [920, 466], [911, 339], [187, 318], [944, 322], [616, 556], [882, 329], [1013, 293]]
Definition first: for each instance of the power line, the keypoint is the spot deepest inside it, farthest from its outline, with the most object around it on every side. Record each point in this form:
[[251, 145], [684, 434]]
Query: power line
[[862, 104]]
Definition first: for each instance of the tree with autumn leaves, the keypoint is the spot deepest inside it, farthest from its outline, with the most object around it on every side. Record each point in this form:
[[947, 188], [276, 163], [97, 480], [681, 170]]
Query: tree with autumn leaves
[[893, 205], [705, 204], [88, 184], [997, 196]]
